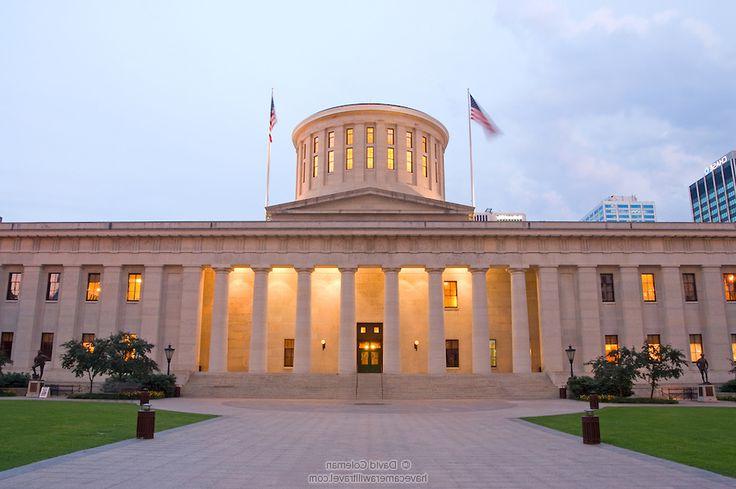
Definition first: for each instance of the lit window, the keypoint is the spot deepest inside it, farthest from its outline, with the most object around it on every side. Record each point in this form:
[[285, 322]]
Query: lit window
[[452, 353], [315, 165], [390, 136], [424, 144], [13, 286], [330, 161], [349, 136], [647, 287], [436, 165], [390, 162], [52, 287], [409, 161], [607, 292], [93, 287], [315, 144], [88, 341], [688, 283], [349, 158], [450, 290], [733, 347], [696, 347], [6, 343], [304, 162], [47, 344], [611, 347], [654, 345], [409, 140], [494, 352], [134, 287], [331, 139], [729, 286], [424, 165], [288, 352], [369, 135], [369, 157]]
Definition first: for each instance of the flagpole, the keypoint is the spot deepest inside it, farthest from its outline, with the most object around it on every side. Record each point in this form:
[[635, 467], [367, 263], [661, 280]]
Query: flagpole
[[470, 147], [268, 152]]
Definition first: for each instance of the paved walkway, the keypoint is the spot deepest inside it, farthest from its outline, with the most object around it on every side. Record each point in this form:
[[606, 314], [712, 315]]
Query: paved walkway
[[445, 444]]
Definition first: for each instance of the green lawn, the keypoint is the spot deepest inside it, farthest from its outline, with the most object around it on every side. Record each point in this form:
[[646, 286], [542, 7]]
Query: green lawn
[[703, 437], [34, 430]]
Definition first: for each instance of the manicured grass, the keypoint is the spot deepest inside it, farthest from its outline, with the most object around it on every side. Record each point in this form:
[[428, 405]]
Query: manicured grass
[[699, 436], [34, 430]]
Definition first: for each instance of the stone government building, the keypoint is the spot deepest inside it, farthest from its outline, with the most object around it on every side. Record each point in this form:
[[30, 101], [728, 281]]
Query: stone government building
[[370, 270]]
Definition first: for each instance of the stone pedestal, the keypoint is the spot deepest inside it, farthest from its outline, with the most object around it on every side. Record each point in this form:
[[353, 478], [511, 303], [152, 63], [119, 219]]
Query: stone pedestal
[[706, 393], [34, 388]]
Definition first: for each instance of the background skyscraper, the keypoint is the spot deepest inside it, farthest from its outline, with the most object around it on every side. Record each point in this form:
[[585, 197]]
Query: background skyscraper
[[713, 197]]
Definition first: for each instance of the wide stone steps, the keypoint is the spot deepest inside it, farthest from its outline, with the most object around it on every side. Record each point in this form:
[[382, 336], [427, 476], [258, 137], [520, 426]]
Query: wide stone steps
[[370, 387]]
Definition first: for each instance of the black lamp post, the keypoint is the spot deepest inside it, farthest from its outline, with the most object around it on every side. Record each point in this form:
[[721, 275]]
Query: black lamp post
[[169, 350], [570, 357]]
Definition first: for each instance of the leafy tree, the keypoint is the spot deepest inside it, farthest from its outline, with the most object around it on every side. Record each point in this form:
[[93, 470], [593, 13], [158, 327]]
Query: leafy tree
[[90, 359], [129, 357], [658, 363], [4, 360], [616, 372], [733, 367]]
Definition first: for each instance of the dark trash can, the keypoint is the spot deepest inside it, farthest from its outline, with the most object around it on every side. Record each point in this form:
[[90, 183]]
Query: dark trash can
[[591, 429], [144, 397], [563, 392], [593, 400], [146, 422]]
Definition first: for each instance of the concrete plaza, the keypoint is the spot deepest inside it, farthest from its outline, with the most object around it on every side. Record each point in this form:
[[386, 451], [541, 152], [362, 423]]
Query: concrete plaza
[[443, 444]]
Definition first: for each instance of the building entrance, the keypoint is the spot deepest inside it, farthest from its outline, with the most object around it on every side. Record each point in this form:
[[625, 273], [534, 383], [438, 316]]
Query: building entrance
[[370, 347]]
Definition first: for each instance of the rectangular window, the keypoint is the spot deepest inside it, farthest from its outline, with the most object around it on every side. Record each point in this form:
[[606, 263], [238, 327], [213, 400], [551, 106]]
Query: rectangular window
[[47, 344], [289, 352], [436, 165], [452, 353], [696, 347], [729, 286], [409, 161], [369, 157], [409, 140], [390, 163], [648, 291], [733, 347], [607, 293], [424, 144], [349, 136], [369, 135], [611, 347], [494, 352], [52, 287], [315, 165], [13, 286], [691, 290], [654, 343], [330, 161], [450, 289], [134, 287], [304, 162], [315, 145], [424, 165], [348, 158], [331, 139], [88, 340], [6, 343], [390, 137], [93, 287]]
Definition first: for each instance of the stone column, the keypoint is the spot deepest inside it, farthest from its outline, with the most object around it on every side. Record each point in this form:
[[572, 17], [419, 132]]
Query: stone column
[[481, 335], [550, 324], [29, 302], [151, 302], [520, 346], [633, 325], [190, 319], [218, 337], [436, 305], [716, 344], [590, 316], [347, 341], [258, 357], [391, 336], [303, 337], [71, 296], [110, 297], [675, 333]]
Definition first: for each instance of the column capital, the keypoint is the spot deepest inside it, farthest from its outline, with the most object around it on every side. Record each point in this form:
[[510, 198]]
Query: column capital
[[347, 269], [261, 269], [304, 269], [513, 270], [222, 268], [712, 268], [478, 269], [439, 270], [391, 269]]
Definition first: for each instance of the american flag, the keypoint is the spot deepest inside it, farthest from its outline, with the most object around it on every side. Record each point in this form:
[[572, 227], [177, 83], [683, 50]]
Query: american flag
[[272, 121], [477, 114]]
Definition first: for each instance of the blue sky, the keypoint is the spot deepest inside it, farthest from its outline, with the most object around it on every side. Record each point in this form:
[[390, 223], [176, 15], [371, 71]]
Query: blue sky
[[158, 110]]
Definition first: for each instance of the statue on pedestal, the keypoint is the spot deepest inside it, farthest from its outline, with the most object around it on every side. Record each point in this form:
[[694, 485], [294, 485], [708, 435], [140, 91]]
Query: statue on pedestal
[[39, 362], [702, 364]]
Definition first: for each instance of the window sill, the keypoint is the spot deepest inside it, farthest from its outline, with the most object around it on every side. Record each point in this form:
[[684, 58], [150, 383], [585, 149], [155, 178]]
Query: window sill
[[452, 309], [91, 302], [452, 368]]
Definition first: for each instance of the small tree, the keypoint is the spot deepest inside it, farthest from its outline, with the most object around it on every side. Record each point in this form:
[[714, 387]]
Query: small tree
[[658, 363], [733, 367], [129, 357], [616, 372], [90, 359], [4, 360]]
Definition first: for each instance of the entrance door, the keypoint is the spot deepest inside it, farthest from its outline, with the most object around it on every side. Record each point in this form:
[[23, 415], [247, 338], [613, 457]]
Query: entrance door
[[370, 347]]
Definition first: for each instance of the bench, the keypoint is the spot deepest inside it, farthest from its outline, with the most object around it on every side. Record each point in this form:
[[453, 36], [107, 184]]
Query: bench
[[57, 389]]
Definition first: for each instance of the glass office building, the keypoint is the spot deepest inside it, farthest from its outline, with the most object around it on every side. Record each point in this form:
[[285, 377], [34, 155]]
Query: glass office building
[[713, 198], [622, 208]]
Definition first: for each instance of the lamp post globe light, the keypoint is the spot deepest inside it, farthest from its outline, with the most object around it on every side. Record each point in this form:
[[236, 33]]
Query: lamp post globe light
[[570, 357], [169, 351]]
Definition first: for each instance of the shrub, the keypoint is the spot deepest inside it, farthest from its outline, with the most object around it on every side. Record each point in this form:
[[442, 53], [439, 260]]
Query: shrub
[[582, 386], [7, 393], [643, 400], [14, 379], [114, 386], [731, 398], [601, 398], [729, 386], [115, 396], [160, 382], [616, 372]]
